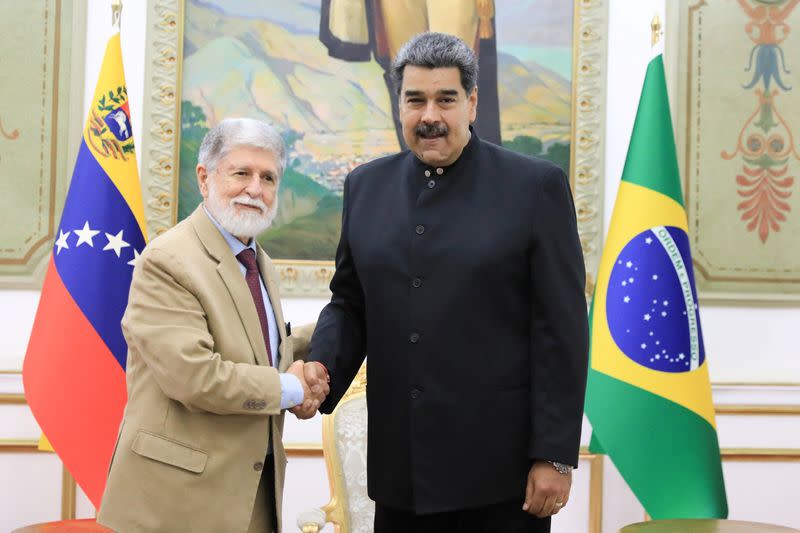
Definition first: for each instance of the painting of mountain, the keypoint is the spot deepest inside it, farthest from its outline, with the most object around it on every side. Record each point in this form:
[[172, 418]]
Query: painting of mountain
[[264, 59]]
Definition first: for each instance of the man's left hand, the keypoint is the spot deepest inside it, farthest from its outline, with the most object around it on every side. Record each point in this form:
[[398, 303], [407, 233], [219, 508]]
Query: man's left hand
[[547, 491]]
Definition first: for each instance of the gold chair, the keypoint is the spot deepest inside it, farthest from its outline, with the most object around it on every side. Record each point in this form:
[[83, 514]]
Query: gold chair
[[344, 443]]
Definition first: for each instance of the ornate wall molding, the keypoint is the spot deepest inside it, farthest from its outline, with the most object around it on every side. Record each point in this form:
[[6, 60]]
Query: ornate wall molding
[[588, 128], [161, 124], [305, 278]]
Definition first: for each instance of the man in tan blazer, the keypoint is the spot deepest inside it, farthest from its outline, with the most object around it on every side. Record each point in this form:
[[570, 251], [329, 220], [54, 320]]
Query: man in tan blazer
[[211, 367]]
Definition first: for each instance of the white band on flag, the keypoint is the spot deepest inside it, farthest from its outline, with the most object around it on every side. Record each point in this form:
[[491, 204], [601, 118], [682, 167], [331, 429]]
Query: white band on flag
[[680, 267]]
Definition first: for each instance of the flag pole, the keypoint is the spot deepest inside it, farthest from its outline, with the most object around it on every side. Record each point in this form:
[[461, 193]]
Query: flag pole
[[68, 492]]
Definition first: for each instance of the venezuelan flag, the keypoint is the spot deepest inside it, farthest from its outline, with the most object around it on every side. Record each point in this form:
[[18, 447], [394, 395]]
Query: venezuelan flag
[[648, 394], [74, 369]]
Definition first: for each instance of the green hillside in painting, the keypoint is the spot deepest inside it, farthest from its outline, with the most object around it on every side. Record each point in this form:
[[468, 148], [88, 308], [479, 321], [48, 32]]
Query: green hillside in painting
[[309, 237]]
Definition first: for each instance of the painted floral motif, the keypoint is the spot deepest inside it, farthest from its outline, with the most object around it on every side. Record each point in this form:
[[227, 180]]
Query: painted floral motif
[[765, 143], [10, 135]]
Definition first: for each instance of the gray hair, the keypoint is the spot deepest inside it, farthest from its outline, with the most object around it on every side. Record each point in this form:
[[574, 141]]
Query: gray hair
[[234, 132], [437, 50]]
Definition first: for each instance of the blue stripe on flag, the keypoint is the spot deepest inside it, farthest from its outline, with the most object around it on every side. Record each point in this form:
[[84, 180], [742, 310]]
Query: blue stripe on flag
[[98, 279]]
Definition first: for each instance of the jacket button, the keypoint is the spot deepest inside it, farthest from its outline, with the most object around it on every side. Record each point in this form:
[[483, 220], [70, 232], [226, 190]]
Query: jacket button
[[431, 184], [440, 171], [416, 283], [414, 338], [415, 394], [258, 466], [427, 173], [420, 229]]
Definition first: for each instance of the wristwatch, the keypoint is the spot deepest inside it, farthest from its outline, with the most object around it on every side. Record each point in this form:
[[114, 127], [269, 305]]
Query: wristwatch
[[561, 467]]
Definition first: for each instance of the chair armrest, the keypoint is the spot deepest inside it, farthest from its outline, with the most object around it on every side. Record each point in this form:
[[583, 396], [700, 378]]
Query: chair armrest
[[311, 521]]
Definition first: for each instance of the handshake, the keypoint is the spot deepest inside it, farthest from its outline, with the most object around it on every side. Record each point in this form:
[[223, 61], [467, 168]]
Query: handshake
[[314, 379]]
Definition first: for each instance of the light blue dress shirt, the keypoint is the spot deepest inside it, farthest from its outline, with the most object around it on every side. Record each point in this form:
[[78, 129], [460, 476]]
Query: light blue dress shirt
[[291, 389]]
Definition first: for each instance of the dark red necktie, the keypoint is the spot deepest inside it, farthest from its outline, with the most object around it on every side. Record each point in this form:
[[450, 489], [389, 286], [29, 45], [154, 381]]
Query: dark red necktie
[[247, 257]]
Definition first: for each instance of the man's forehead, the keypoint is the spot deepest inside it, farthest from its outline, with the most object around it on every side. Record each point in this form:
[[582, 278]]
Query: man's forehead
[[441, 79], [247, 154]]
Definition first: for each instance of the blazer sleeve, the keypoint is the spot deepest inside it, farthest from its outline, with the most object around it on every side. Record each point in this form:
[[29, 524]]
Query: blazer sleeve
[[165, 326], [339, 340], [559, 325]]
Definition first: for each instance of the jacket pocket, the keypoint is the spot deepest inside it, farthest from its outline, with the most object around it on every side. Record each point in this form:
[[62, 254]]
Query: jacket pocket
[[169, 452]]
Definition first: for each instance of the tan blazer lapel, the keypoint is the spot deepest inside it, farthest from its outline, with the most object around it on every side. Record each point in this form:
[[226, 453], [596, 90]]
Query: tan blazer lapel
[[270, 282], [228, 270]]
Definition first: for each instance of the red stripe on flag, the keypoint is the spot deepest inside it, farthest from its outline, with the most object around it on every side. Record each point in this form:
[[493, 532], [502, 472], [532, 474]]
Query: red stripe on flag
[[74, 386]]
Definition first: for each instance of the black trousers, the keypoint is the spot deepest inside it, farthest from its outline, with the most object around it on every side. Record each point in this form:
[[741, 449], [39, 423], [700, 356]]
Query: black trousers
[[505, 517]]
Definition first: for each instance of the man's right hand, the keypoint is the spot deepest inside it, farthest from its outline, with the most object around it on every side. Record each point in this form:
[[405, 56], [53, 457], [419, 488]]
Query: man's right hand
[[314, 390]]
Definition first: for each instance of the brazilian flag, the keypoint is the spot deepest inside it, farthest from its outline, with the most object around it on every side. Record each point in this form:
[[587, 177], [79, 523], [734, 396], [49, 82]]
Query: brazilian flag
[[649, 396]]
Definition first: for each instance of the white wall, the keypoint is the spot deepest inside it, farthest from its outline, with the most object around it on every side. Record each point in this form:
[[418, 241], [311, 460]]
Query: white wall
[[745, 343]]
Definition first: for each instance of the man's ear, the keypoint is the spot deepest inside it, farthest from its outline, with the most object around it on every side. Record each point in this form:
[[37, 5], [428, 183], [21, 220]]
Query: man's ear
[[202, 179], [472, 102]]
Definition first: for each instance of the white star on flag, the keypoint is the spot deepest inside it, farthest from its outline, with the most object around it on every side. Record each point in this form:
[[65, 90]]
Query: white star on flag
[[115, 243], [647, 317], [648, 240], [85, 235], [62, 241], [133, 261]]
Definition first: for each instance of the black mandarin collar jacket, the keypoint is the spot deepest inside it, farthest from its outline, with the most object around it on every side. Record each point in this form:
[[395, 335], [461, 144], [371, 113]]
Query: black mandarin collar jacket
[[465, 286]]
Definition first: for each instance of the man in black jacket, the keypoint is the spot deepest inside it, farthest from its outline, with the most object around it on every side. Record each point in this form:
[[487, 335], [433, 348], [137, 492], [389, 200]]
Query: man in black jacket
[[459, 271]]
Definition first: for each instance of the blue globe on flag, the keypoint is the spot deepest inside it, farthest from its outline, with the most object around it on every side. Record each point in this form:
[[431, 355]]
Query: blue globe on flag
[[652, 303]]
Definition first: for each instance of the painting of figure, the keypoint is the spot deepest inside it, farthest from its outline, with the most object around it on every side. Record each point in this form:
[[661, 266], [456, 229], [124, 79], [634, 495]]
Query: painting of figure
[[317, 70]]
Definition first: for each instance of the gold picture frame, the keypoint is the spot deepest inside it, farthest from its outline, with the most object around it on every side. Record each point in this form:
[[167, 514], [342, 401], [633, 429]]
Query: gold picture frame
[[306, 278]]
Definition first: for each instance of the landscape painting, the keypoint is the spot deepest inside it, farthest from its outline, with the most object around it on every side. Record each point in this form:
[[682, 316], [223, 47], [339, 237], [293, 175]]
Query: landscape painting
[[321, 79]]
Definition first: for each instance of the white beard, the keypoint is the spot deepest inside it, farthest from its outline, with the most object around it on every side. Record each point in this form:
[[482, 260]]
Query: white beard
[[238, 223]]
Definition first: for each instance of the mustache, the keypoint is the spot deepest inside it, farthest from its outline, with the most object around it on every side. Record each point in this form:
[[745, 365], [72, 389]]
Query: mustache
[[434, 129], [246, 200]]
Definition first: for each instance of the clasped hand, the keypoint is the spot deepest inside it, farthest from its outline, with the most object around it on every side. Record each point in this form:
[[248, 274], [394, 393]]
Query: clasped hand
[[314, 380]]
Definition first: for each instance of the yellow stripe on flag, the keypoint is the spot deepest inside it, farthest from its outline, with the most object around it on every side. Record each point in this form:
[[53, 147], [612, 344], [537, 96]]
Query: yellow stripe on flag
[[119, 165], [44, 444], [639, 209]]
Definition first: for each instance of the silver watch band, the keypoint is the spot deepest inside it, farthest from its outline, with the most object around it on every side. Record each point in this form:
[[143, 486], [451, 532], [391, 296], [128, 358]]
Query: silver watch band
[[561, 467]]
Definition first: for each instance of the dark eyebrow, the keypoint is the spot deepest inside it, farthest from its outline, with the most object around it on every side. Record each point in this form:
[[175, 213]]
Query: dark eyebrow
[[442, 92]]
